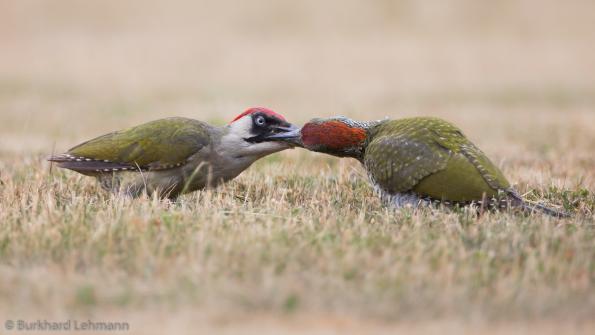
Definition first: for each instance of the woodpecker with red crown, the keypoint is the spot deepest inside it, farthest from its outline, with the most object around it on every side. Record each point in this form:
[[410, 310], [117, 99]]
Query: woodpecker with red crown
[[414, 161], [177, 155]]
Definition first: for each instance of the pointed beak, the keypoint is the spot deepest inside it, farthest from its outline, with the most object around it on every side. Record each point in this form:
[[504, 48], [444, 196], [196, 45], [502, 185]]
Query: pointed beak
[[289, 134]]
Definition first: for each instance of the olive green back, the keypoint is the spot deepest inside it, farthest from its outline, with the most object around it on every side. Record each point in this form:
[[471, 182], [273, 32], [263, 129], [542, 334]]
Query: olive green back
[[432, 158], [156, 144]]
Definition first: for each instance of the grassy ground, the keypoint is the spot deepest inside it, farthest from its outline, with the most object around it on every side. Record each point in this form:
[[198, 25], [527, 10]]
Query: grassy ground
[[299, 242]]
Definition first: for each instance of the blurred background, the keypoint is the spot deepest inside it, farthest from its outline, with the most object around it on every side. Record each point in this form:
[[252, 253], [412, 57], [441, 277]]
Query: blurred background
[[517, 75]]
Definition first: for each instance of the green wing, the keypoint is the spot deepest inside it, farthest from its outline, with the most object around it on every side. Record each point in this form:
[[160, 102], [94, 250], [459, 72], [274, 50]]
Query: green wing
[[159, 144], [432, 158]]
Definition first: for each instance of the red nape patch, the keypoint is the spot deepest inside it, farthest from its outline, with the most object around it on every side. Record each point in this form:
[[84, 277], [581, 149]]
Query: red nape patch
[[332, 134], [264, 110]]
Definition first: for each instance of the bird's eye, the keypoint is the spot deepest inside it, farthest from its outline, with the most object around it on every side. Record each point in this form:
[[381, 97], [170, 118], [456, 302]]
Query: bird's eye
[[260, 120]]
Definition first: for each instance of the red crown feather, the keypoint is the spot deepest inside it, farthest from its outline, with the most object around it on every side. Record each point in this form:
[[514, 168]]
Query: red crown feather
[[264, 110]]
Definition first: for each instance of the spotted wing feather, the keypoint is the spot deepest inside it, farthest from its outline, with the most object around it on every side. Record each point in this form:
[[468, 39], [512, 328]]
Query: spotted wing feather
[[157, 145], [432, 158], [402, 152]]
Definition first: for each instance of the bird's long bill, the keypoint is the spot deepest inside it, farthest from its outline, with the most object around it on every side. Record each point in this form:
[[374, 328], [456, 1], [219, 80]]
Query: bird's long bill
[[290, 134]]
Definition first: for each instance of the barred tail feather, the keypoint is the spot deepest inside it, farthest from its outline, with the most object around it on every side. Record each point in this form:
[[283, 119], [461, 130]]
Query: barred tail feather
[[89, 165], [536, 207], [511, 201], [545, 210]]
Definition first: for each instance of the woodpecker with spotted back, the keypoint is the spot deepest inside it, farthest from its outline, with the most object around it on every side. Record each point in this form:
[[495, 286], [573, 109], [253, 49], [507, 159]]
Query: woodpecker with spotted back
[[414, 161], [176, 155]]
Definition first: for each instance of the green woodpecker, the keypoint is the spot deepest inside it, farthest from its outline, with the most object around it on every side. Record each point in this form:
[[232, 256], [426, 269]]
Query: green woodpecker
[[176, 155], [414, 161]]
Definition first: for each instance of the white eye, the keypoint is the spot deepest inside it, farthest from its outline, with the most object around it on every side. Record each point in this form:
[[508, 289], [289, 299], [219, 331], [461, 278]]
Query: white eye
[[260, 120]]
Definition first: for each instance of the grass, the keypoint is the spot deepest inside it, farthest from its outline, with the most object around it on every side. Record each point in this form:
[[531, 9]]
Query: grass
[[298, 243], [284, 242]]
